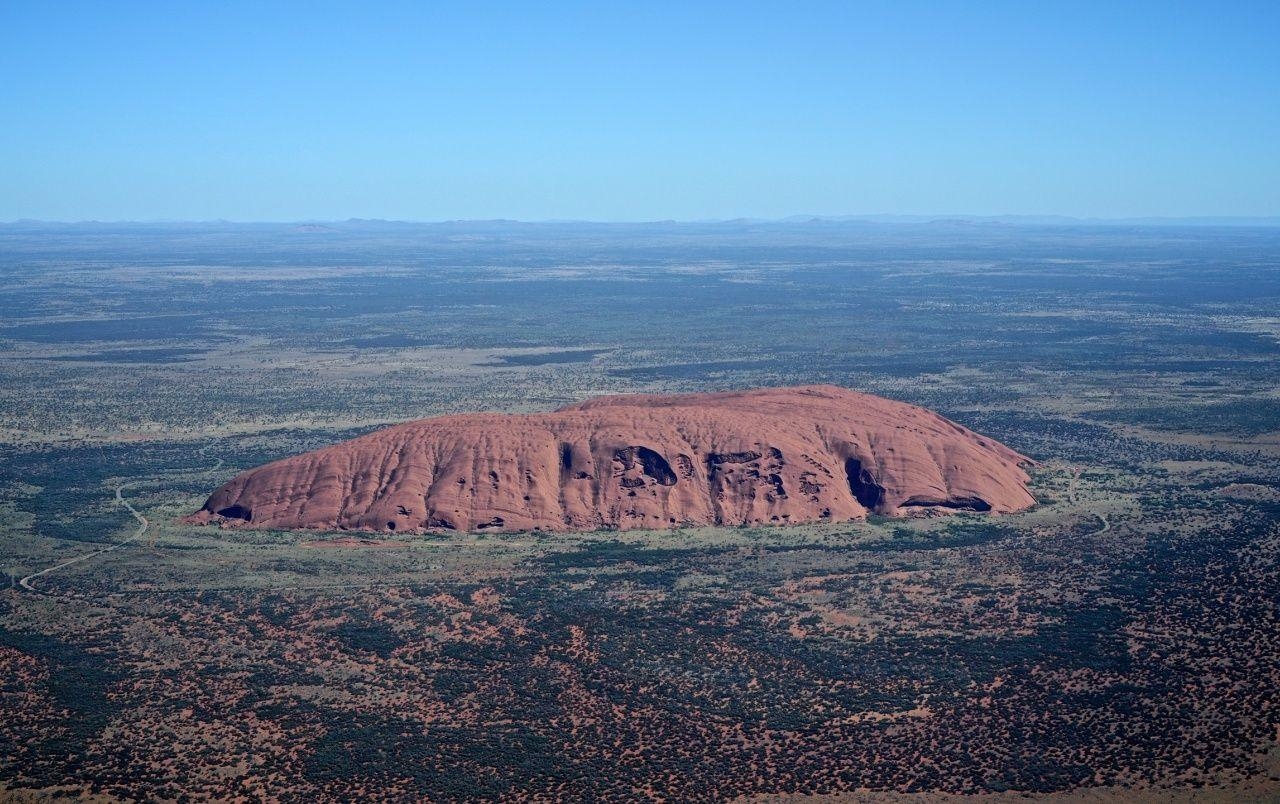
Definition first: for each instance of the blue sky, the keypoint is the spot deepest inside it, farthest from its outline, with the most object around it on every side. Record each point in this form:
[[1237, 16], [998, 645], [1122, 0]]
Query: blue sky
[[635, 111]]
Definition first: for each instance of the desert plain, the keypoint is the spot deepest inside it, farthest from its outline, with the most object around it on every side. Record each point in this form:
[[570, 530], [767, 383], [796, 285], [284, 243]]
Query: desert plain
[[1118, 640]]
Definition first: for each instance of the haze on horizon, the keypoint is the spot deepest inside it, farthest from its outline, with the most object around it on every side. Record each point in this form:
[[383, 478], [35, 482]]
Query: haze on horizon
[[284, 111]]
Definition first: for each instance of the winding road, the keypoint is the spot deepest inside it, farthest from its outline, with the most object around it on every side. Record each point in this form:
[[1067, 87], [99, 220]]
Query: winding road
[[1073, 496], [25, 583], [1106, 524], [143, 524]]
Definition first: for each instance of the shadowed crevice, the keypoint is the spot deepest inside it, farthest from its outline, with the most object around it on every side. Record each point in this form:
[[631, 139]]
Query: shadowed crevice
[[236, 512], [651, 464], [957, 503], [863, 485]]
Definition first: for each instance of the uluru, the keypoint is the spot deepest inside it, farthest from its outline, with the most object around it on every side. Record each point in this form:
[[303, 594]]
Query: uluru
[[766, 456]]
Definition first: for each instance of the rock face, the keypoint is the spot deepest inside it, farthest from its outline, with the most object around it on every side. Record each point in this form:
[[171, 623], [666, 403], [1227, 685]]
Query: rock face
[[775, 455]]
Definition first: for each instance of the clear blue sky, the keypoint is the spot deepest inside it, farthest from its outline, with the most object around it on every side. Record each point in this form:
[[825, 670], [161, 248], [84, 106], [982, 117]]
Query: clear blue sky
[[626, 111]]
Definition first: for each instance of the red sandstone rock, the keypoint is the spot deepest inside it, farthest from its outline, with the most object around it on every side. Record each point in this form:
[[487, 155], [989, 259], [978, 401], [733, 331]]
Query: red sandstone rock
[[775, 455]]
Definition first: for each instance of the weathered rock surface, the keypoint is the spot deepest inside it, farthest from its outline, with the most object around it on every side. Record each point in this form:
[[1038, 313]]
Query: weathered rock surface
[[775, 455]]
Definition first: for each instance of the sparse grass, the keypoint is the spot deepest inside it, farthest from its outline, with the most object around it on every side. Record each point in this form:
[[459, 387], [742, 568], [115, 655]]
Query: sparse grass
[[1116, 641]]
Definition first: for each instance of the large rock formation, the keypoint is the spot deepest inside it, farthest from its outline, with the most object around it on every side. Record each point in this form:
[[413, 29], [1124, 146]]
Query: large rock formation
[[776, 455]]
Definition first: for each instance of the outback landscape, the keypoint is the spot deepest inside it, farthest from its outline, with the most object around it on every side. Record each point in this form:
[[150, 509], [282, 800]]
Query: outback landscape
[[1114, 635]]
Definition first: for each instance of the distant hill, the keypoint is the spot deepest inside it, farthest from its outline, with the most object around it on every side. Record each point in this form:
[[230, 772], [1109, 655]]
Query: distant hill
[[778, 455]]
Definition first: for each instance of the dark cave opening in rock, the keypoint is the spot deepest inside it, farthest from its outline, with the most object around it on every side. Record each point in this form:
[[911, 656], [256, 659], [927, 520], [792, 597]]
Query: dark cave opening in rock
[[863, 485], [236, 512]]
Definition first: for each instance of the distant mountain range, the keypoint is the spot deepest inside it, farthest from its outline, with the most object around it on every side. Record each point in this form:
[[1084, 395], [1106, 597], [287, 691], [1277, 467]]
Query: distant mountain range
[[314, 227]]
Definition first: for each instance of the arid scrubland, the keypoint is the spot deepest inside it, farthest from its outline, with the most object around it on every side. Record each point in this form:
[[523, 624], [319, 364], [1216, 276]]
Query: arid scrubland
[[1119, 639]]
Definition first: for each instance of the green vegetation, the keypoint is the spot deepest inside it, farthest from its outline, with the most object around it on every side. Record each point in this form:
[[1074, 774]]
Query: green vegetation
[[1123, 633]]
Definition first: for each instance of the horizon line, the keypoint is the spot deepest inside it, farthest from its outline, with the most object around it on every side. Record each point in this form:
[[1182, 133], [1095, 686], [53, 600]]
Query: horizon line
[[887, 218]]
